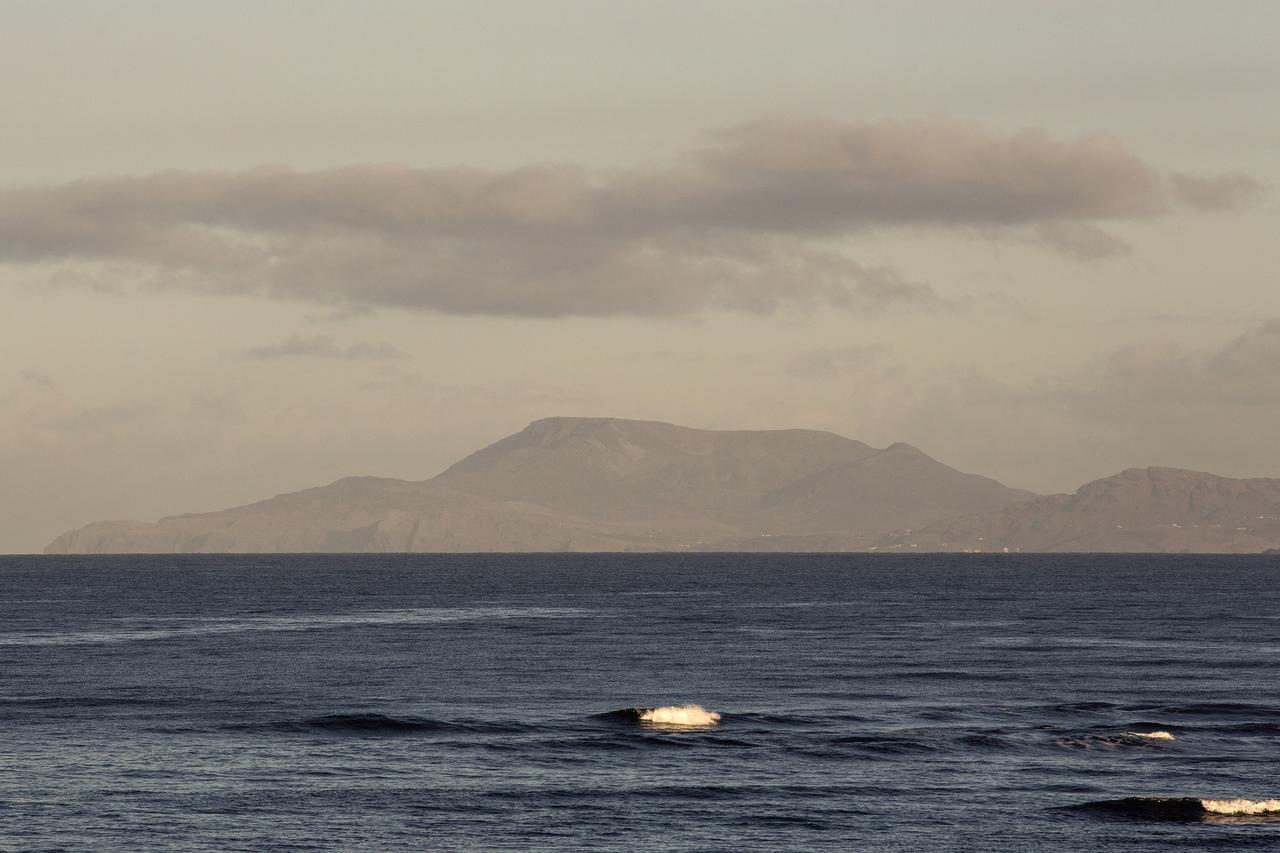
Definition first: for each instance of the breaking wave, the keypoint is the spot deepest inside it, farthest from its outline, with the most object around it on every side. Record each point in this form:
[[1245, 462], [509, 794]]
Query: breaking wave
[[1112, 740], [1183, 808], [673, 716], [680, 715], [1241, 807]]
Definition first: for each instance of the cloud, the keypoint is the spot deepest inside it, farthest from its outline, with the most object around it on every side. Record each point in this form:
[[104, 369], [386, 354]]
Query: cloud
[[1081, 240], [1163, 382], [1212, 408], [804, 174], [93, 419], [745, 222], [1215, 192], [831, 362], [36, 377], [1165, 403], [670, 357], [324, 346]]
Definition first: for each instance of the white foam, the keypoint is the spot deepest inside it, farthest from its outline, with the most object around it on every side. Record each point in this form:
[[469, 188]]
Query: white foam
[[1241, 806], [680, 715], [1113, 741]]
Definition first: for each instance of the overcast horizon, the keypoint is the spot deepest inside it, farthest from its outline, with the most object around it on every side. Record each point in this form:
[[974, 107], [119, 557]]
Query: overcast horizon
[[245, 251]]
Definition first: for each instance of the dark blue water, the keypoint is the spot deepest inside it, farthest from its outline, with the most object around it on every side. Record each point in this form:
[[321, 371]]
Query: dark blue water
[[878, 703]]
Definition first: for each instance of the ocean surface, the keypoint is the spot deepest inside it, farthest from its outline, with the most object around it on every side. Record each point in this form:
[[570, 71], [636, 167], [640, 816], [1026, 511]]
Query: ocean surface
[[865, 702]]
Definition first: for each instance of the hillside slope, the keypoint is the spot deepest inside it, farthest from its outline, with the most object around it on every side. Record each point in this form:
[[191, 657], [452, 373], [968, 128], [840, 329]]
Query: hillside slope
[[1137, 510], [593, 484]]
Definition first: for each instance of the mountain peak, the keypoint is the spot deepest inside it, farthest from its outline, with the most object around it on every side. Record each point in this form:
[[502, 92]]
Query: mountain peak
[[596, 483], [612, 484], [903, 447]]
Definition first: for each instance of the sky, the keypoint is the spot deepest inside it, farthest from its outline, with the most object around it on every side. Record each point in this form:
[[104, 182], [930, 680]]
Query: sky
[[248, 248]]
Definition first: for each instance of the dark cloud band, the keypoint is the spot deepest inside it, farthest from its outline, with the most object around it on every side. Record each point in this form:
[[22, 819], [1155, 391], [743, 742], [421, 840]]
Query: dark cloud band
[[744, 223]]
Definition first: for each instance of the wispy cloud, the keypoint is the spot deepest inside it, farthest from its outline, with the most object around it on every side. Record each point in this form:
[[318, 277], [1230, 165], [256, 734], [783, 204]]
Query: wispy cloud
[[1154, 403], [36, 377], [833, 361], [99, 417], [324, 346], [1083, 241], [1164, 384], [744, 222], [1215, 192]]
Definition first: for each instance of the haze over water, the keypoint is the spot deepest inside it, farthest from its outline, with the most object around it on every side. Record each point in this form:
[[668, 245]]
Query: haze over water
[[890, 703]]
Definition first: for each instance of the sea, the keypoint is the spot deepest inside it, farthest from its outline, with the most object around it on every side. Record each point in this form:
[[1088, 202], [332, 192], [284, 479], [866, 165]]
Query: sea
[[640, 702]]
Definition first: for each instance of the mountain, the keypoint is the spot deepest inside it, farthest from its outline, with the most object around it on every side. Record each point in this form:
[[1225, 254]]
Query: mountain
[[595, 484], [1138, 510], [896, 487]]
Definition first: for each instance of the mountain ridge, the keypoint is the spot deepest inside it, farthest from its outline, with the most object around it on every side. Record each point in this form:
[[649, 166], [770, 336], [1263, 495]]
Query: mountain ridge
[[566, 484], [612, 484], [1139, 510]]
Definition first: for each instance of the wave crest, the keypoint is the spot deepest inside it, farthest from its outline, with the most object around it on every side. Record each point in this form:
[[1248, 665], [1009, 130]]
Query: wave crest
[[1116, 740], [1184, 808], [680, 715], [1241, 806], [674, 716]]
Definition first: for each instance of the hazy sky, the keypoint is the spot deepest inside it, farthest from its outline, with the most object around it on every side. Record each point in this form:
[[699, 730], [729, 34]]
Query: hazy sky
[[247, 248]]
